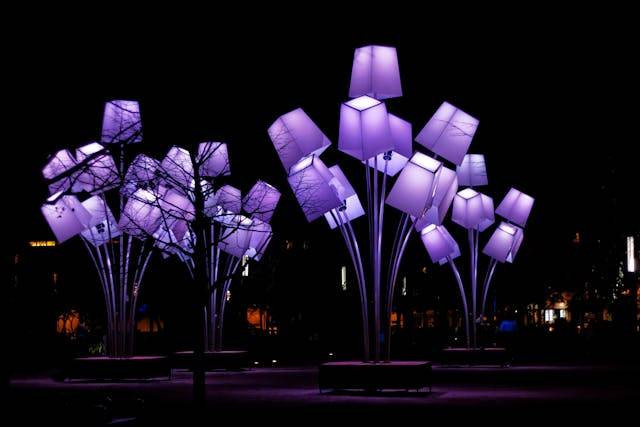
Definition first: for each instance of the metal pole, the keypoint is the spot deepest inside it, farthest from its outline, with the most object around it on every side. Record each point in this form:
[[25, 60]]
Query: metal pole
[[487, 283], [376, 264], [465, 308]]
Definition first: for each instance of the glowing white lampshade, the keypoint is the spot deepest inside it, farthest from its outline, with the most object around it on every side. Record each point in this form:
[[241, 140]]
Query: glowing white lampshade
[[235, 237], [213, 159], [473, 171], [261, 201], [446, 189], [352, 207], [364, 128], [98, 172], [473, 210], [177, 169], [102, 226], [65, 215], [315, 187], [375, 73], [439, 244], [142, 173], [229, 198], [504, 242], [141, 215], [121, 122], [415, 187], [57, 165], [399, 156], [515, 207]]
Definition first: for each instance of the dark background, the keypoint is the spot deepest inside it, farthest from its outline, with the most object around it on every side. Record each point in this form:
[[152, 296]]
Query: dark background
[[554, 92]]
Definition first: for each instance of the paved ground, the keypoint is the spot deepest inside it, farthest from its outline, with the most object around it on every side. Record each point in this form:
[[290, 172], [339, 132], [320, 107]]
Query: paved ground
[[526, 393]]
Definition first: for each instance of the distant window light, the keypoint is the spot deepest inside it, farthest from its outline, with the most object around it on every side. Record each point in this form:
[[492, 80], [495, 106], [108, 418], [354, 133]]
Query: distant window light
[[576, 238], [228, 296], [245, 266], [549, 316], [563, 314], [289, 244], [631, 255], [343, 278], [42, 243], [404, 286]]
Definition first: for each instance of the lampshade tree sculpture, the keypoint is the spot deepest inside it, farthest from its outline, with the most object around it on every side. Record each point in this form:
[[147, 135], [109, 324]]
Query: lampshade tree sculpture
[[423, 191], [179, 205]]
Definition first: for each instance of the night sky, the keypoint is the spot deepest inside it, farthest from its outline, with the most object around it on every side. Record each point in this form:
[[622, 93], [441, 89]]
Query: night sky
[[556, 107]]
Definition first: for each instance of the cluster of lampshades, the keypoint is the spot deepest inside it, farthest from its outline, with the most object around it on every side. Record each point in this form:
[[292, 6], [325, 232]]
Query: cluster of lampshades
[[426, 186]]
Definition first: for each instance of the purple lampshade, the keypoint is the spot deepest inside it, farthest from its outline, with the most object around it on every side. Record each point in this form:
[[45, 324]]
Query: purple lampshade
[[261, 235], [175, 207], [65, 215], [261, 201], [375, 73], [415, 187], [229, 199], [402, 150], [58, 164], [98, 172], [515, 207], [121, 122], [315, 187], [177, 169], [504, 242], [141, 174], [472, 210], [235, 236], [165, 240], [364, 128], [352, 207], [448, 133], [473, 171], [141, 215], [213, 159], [102, 226], [295, 136], [446, 189], [439, 243]]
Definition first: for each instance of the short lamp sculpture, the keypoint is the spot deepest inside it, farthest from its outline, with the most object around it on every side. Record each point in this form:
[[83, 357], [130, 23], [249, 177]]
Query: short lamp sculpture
[[423, 191], [172, 205]]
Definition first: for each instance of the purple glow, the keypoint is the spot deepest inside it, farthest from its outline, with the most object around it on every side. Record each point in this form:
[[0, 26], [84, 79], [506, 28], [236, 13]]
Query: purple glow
[[364, 128], [414, 190], [402, 150], [446, 189], [176, 207], [229, 199], [57, 165], [141, 214], [341, 184], [99, 174], [473, 171], [261, 201], [213, 159], [294, 136], [375, 73], [515, 207], [472, 210], [352, 208], [177, 168], [235, 238], [66, 217], [439, 243], [449, 133], [314, 187], [504, 243], [140, 174], [261, 235], [121, 122], [102, 226]]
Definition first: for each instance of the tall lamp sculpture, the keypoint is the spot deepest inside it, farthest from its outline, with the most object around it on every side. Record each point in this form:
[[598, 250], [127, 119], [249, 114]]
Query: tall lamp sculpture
[[423, 191]]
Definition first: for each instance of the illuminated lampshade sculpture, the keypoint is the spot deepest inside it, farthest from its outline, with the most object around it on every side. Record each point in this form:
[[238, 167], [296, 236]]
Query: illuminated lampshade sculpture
[[449, 133], [121, 122], [56, 171], [295, 136], [261, 201], [472, 172], [364, 128], [214, 159], [423, 191], [375, 73], [159, 202], [515, 207]]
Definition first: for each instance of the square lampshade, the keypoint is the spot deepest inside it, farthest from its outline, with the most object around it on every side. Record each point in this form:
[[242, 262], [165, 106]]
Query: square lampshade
[[364, 128], [235, 236], [213, 159], [98, 172], [65, 215], [261, 201], [229, 199], [175, 207], [141, 174], [295, 136], [121, 122], [439, 243], [261, 235], [141, 215], [102, 226], [402, 150], [472, 210], [352, 207], [375, 73], [449, 133], [315, 187], [473, 171], [446, 189], [504, 242], [165, 240], [414, 190], [176, 169], [515, 207], [58, 164]]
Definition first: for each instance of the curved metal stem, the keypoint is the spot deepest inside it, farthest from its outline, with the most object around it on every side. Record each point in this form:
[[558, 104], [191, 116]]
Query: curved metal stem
[[487, 283], [465, 307]]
